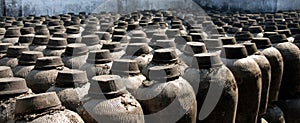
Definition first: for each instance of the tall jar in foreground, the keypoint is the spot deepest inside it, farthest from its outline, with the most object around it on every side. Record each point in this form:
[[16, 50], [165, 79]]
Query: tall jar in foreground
[[290, 84], [215, 88], [108, 101], [265, 69], [276, 61], [248, 78], [166, 97]]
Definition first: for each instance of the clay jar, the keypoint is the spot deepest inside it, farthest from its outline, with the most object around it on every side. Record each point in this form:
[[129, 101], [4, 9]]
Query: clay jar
[[44, 107], [5, 72], [167, 97], [129, 71], [12, 35], [55, 47], [11, 58], [11, 89], [276, 61], [190, 49], [39, 43], [109, 102], [26, 40], [248, 78], [115, 49], [26, 63], [3, 49], [139, 52], [290, 84], [163, 57], [211, 79], [44, 74], [75, 55], [181, 41], [71, 86], [156, 37], [92, 42], [265, 69], [98, 63]]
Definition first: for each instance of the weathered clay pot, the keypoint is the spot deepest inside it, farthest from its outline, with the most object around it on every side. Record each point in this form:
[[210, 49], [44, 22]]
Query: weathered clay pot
[[3, 49], [276, 61], [181, 41], [5, 72], [26, 40], [75, 55], [211, 79], [115, 48], [265, 69], [274, 114], [55, 47], [71, 86], [41, 30], [44, 74], [39, 43], [290, 84], [26, 63], [92, 42], [139, 52], [98, 63], [109, 102], [190, 49], [163, 57], [9, 95], [27, 30], [12, 35], [129, 71], [104, 36], [11, 58], [156, 37], [167, 97], [248, 78], [44, 107]]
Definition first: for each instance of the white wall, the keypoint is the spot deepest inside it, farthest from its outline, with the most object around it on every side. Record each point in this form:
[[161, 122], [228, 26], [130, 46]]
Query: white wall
[[288, 5]]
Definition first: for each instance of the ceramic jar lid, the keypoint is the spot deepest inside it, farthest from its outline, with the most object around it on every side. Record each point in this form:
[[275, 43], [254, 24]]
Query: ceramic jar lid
[[125, 67], [234, 52], [206, 60], [12, 85], [71, 78], [36, 103]]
